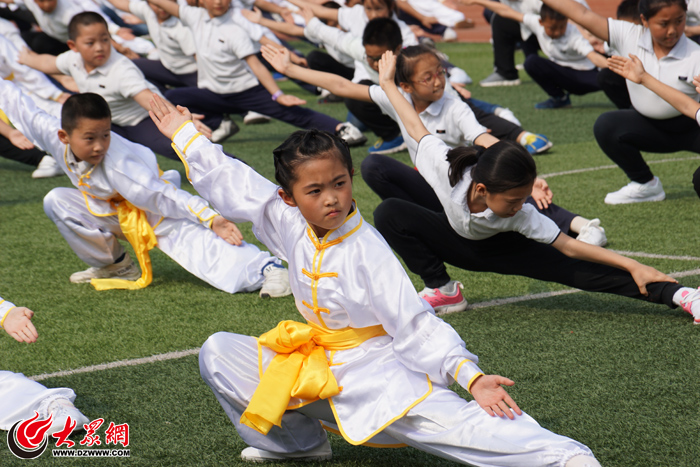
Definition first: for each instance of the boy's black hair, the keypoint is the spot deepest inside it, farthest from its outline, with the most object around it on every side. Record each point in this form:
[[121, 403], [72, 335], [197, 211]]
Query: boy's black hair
[[628, 9], [501, 167], [86, 18], [80, 106], [649, 8], [303, 146], [333, 5], [406, 60], [546, 12], [382, 32]]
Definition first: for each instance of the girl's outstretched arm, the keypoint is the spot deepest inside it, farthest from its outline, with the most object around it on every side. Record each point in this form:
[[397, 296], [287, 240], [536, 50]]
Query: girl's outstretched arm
[[409, 117], [633, 70], [280, 60], [641, 273], [595, 23], [320, 11], [499, 8]]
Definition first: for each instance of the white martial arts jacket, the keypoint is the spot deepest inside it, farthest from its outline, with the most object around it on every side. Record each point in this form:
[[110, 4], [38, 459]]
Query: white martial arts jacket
[[128, 171], [348, 279]]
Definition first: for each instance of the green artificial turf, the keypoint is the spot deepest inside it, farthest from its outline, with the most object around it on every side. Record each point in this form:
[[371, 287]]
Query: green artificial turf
[[618, 375]]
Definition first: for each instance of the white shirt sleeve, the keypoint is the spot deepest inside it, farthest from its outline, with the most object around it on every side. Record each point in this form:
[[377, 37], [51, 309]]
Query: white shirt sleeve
[[131, 81], [138, 9], [532, 21], [317, 31], [536, 226], [64, 61], [234, 189]]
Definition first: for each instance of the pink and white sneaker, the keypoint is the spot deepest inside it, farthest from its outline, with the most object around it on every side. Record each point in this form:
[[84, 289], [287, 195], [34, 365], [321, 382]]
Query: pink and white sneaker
[[691, 303], [446, 299]]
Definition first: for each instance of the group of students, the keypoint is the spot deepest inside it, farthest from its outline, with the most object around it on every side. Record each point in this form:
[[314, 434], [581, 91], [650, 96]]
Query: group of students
[[473, 200]]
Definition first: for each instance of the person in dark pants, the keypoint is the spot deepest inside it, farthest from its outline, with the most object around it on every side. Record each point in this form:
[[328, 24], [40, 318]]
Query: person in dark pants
[[15, 146]]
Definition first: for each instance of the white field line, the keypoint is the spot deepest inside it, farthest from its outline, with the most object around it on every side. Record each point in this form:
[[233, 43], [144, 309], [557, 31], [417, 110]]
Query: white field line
[[641, 254], [613, 166], [185, 353]]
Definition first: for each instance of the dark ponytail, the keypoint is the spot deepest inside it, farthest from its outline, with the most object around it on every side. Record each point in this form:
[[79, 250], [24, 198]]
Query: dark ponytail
[[649, 8], [500, 167]]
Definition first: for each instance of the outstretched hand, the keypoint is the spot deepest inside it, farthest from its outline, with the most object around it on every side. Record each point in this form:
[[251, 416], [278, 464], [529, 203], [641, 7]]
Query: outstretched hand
[[387, 68], [490, 395], [254, 15], [629, 68], [18, 324], [227, 230], [166, 116], [279, 58], [644, 275], [289, 100], [18, 140]]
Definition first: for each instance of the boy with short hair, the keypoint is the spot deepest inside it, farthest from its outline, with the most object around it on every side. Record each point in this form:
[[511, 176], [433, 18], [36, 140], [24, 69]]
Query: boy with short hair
[[21, 397], [572, 66], [97, 68], [120, 194]]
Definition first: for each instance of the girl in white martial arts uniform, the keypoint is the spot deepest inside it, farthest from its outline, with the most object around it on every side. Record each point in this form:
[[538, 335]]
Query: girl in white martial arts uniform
[[372, 360], [20, 397], [120, 194]]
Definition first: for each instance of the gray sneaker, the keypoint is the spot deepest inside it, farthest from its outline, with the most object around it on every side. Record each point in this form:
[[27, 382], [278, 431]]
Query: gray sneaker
[[495, 79], [124, 269], [276, 283], [351, 135]]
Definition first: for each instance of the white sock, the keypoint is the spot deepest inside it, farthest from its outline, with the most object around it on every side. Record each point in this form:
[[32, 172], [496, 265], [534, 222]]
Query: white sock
[[523, 138], [450, 288]]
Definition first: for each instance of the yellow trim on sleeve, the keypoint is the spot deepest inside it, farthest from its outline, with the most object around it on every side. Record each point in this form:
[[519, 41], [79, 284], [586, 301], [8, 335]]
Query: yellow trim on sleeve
[[191, 141], [403, 413], [180, 128], [459, 367], [2, 321], [184, 161], [10, 77], [201, 219], [471, 381]]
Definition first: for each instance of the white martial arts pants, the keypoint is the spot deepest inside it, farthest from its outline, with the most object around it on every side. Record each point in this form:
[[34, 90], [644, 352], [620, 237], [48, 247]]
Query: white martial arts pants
[[443, 424], [20, 397], [445, 15], [196, 248]]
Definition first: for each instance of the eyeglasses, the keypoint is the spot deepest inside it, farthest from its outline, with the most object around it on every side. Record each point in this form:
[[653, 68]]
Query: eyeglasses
[[430, 80]]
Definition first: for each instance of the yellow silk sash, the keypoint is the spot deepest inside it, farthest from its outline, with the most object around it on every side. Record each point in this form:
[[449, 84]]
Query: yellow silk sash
[[139, 233], [300, 369], [4, 118]]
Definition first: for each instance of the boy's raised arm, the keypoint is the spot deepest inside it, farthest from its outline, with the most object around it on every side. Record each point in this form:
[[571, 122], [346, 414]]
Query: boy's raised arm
[[171, 8]]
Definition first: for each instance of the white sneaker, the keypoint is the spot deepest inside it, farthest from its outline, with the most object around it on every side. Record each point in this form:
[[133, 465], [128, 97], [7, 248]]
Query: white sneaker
[[691, 304], [450, 35], [276, 283], [507, 114], [635, 192], [61, 409], [321, 453], [124, 269], [227, 129], [351, 134], [593, 234], [253, 118], [48, 167]]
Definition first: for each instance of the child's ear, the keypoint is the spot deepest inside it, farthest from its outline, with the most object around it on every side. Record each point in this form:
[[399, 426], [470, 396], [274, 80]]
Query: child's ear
[[63, 136], [71, 45], [480, 189], [405, 87], [288, 200]]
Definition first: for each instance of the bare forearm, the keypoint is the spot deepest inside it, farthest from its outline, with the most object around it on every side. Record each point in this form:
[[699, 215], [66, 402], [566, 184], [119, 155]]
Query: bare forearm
[[42, 62], [122, 5], [405, 111], [283, 27], [318, 10], [598, 60], [269, 6], [578, 13], [5, 129], [500, 9], [583, 251], [171, 8], [260, 72], [334, 83]]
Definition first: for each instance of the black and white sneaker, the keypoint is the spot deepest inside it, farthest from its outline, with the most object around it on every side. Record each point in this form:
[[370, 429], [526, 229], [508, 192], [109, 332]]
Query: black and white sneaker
[[351, 134]]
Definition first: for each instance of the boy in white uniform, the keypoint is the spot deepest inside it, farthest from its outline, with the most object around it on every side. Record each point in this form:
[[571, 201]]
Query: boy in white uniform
[[21, 397], [119, 192], [97, 68], [573, 64]]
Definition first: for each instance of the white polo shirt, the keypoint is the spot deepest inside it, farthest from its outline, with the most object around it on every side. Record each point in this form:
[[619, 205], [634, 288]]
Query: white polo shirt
[[449, 118], [173, 40], [677, 69], [354, 21], [432, 164], [530, 7], [118, 81], [55, 24], [569, 50], [221, 46]]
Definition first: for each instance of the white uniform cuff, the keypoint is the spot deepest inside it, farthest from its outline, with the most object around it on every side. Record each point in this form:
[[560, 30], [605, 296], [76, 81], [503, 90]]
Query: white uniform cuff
[[5, 308], [466, 373]]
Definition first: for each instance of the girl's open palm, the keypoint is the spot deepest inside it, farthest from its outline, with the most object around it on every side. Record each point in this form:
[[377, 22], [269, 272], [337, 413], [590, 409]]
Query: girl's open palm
[[629, 68], [278, 58], [490, 395]]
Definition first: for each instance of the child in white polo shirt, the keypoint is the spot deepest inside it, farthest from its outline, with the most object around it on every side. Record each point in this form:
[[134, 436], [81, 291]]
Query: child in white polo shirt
[[121, 194], [231, 79], [176, 65], [652, 124], [97, 68], [572, 67], [20, 397]]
